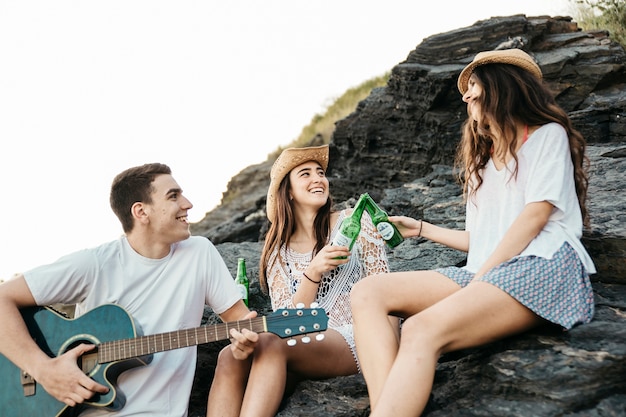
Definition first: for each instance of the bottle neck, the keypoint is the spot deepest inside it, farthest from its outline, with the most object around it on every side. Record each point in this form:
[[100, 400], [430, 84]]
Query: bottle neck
[[241, 269], [372, 208], [360, 206]]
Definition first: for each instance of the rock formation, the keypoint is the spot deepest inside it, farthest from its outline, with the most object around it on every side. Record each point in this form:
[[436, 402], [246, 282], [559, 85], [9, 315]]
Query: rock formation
[[399, 145]]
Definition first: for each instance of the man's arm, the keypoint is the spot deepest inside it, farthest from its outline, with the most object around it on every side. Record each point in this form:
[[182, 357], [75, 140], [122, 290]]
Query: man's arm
[[61, 377]]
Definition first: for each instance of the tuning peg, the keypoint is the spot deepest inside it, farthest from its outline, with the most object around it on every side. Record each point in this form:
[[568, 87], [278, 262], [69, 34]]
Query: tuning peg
[[306, 339], [314, 304], [319, 337], [291, 342], [300, 305]]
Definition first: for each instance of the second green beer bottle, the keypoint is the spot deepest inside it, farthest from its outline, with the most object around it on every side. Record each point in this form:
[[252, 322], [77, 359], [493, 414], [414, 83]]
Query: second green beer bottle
[[388, 231]]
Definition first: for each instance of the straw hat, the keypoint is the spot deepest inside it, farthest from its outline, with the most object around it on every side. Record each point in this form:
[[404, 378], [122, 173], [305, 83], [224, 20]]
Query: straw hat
[[515, 57], [288, 160]]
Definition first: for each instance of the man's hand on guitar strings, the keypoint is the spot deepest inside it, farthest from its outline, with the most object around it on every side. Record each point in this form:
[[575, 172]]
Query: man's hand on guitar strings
[[243, 342]]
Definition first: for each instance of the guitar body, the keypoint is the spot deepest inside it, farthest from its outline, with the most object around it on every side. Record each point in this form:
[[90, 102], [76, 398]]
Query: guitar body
[[56, 335]]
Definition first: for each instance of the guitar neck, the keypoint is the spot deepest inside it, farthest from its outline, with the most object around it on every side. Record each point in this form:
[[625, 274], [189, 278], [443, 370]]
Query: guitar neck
[[145, 345]]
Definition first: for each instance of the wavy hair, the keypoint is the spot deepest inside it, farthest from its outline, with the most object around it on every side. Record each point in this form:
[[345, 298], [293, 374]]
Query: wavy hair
[[510, 96]]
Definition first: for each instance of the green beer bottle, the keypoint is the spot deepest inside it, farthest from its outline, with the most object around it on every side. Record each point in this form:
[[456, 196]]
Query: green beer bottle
[[242, 280], [350, 226], [389, 232]]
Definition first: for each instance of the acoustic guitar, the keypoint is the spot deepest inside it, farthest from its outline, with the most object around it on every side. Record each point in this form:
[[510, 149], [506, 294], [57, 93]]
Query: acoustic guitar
[[120, 347]]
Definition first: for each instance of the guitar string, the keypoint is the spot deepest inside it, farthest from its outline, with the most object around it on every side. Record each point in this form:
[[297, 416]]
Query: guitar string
[[109, 351]]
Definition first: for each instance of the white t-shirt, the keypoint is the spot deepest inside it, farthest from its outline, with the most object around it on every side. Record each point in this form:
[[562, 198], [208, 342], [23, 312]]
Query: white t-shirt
[[545, 173], [161, 295]]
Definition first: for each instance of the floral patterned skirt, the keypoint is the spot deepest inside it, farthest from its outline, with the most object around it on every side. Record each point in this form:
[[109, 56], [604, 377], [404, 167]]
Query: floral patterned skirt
[[556, 289]]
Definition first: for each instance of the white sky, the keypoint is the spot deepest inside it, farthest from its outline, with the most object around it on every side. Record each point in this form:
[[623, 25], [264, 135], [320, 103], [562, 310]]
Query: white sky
[[89, 88]]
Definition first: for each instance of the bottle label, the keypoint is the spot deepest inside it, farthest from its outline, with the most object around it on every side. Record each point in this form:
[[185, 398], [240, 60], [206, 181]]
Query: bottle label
[[341, 240], [385, 229], [243, 291]]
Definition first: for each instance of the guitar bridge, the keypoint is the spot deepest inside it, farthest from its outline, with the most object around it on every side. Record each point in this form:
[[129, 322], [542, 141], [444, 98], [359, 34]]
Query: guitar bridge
[[28, 383]]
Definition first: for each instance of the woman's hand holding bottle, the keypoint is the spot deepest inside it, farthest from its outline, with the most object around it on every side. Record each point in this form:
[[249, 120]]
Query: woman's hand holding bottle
[[408, 226]]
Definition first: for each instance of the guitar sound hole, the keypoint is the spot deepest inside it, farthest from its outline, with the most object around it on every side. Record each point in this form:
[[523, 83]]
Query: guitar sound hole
[[88, 362]]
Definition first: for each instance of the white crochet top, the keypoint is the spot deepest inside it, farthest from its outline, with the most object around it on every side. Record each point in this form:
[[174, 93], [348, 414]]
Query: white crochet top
[[369, 257]]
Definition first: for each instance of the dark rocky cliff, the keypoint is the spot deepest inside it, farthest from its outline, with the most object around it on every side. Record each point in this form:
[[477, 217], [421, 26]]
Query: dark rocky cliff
[[398, 145]]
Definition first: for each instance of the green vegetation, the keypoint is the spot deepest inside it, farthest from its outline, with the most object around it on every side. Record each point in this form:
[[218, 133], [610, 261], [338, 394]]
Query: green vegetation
[[607, 15], [323, 125]]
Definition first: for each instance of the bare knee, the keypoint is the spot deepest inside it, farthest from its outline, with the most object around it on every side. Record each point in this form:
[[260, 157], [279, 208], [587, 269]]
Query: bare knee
[[421, 334], [270, 345], [363, 294], [227, 364]]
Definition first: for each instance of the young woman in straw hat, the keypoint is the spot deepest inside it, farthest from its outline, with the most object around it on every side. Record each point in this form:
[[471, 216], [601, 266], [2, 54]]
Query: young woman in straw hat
[[299, 266], [524, 178]]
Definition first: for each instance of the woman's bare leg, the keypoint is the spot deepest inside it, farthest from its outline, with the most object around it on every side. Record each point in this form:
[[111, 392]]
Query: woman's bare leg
[[229, 383], [402, 294], [274, 363], [478, 314]]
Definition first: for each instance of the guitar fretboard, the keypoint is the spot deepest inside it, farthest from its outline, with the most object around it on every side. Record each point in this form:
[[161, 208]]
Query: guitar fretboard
[[144, 345]]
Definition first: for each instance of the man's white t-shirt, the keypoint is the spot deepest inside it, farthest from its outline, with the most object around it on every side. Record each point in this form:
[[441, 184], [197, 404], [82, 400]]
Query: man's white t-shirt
[[161, 295], [545, 173]]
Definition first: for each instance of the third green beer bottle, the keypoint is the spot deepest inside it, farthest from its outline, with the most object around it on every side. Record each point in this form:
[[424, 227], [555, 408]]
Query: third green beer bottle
[[242, 280], [350, 226], [390, 234]]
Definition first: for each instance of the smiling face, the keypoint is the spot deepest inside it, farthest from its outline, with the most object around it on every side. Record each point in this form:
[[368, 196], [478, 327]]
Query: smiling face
[[474, 91], [309, 185], [166, 215]]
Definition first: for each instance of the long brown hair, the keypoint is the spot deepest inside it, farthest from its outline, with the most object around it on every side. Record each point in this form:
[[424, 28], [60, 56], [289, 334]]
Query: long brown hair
[[512, 95], [283, 227]]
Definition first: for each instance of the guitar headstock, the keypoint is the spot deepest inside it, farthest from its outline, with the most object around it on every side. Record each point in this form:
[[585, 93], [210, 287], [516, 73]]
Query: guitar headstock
[[287, 323]]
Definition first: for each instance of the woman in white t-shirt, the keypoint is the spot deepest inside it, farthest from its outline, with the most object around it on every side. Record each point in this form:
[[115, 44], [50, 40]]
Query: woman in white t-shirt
[[523, 170]]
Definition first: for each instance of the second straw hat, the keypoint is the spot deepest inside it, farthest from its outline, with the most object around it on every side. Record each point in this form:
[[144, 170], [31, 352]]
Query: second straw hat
[[515, 57]]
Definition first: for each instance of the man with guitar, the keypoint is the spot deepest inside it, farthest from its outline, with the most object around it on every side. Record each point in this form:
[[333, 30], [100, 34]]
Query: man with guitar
[[159, 274]]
